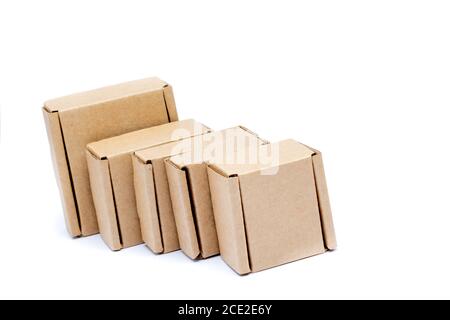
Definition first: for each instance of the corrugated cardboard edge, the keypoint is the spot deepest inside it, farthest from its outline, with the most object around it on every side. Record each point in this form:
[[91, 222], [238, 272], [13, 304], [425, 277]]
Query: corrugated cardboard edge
[[124, 201], [147, 205], [169, 100], [329, 235], [182, 211], [230, 224], [263, 141], [62, 171], [143, 159], [201, 207], [101, 186], [164, 204]]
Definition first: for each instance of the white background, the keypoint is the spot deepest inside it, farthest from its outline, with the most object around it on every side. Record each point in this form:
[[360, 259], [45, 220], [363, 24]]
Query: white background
[[365, 82]]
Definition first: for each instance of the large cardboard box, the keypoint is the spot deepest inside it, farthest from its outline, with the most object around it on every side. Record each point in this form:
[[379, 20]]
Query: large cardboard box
[[76, 120], [111, 176], [273, 212], [189, 187]]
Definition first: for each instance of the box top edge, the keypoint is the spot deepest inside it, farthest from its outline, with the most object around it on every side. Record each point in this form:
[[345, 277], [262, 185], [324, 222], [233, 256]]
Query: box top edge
[[148, 137], [278, 154], [104, 94], [207, 141]]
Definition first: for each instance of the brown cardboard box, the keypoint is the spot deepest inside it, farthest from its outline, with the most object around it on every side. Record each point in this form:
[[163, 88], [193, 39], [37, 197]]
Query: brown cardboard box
[[76, 120], [272, 212], [153, 202], [189, 188], [111, 176]]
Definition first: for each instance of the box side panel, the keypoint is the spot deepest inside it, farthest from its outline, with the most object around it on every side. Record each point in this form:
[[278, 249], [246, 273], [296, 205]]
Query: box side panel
[[170, 103], [226, 201], [121, 170], [197, 175], [62, 172], [85, 125], [100, 181], [182, 210], [164, 204], [281, 214], [329, 234], [146, 205]]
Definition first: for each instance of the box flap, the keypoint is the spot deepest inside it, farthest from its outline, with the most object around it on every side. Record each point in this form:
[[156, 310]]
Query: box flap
[[166, 150], [169, 101], [268, 156], [165, 210], [146, 138], [105, 94], [102, 189], [62, 171], [163, 151], [146, 205], [329, 234], [121, 172], [185, 224], [230, 224], [199, 194]]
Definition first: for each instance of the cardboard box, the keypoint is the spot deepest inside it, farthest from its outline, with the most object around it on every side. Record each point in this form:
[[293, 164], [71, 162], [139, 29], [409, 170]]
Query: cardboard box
[[76, 120], [111, 176], [189, 188], [153, 201], [272, 212]]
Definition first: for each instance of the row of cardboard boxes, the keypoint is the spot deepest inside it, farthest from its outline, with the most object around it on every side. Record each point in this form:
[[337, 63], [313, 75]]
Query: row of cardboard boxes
[[127, 168]]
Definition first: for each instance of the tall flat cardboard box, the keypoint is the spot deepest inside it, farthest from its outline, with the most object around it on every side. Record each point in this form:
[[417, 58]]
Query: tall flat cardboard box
[[189, 188], [111, 176], [268, 214], [153, 201], [76, 120]]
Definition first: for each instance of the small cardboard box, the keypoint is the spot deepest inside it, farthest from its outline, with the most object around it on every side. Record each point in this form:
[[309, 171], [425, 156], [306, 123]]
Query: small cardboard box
[[111, 176], [153, 201], [189, 188], [273, 212], [76, 120]]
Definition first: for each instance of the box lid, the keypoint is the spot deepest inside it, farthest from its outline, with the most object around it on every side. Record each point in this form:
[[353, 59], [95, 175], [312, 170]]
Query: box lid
[[145, 138], [105, 94], [163, 151], [269, 156]]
